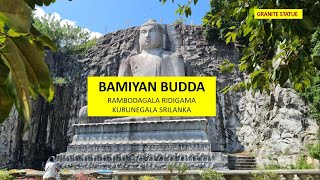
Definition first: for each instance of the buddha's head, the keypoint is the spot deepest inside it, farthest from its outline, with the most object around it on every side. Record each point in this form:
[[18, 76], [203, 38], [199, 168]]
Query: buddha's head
[[151, 35]]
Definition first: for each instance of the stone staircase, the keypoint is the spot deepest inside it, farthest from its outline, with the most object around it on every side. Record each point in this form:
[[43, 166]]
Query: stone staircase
[[241, 162]]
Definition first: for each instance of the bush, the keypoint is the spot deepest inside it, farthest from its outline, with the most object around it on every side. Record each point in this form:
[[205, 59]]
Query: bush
[[302, 163], [61, 81], [180, 21], [209, 174], [182, 168], [314, 150], [265, 176], [69, 38], [148, 178], [171, 167], [312, 95], [273, 167], [4, 175]]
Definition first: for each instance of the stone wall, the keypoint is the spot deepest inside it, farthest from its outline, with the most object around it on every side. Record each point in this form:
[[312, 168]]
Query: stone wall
[[258, 125]]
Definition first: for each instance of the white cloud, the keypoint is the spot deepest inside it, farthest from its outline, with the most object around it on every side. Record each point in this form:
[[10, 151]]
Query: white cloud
[[95, 35], [67, 22], [56, 16], [39, 13]]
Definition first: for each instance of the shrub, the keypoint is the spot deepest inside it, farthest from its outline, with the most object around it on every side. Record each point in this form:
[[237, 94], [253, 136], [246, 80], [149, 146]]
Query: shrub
[[71, 39], [209, 174], [314, 151], [180, 21], [171, 167], [60, 81], [182, 168], [302, 163], [274, 166], [265, 176], [148, 178], [4, 175]]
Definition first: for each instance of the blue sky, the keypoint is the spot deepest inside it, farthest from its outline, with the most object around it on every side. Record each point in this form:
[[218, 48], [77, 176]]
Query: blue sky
[[106, 16]]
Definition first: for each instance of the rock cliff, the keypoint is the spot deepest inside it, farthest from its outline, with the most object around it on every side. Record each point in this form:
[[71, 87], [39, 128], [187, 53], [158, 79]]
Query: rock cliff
[[275, 129], [50, 125], [261, 125]]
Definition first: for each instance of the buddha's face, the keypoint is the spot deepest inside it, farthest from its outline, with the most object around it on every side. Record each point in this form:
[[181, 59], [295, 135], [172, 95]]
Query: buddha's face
[[150, 37]]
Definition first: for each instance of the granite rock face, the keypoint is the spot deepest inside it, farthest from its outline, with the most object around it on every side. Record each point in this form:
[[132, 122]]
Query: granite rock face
[[50, 124], [275, 129], [261, 125]]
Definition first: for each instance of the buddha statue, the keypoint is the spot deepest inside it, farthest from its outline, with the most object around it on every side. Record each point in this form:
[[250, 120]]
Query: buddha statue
[[152, 60]]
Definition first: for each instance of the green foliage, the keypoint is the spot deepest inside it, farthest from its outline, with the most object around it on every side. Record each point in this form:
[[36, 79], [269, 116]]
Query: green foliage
[[60, 80], [209, 174], [183, 9], [32, 3], [23, 71], [316, 46], [273, 167], [265, 176], [226, 66], [171, 167], [4, 175], [314, 151], [302, 163], [182, 168], [180, 21], [70, 39], [312, 94], [274, 52], [148, 178]]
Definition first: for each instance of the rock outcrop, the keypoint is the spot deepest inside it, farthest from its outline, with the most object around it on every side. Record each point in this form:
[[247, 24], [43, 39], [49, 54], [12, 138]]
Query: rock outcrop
[[275, 129], [50, 124]]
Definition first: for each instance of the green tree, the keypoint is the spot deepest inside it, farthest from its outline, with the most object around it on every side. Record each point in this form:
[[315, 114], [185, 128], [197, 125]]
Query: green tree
[[23, 71], [312, 94], [183, 9], [70, 39], [5, 175], [274, 52]]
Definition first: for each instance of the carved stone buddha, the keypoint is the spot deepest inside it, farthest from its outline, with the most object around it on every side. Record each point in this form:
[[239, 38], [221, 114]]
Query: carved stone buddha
[[143, 143], [153, 60]]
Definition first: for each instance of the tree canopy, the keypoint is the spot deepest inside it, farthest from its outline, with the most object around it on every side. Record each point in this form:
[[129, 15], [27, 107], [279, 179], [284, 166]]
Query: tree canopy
[[23, 71], [273, 52], [70, 39]]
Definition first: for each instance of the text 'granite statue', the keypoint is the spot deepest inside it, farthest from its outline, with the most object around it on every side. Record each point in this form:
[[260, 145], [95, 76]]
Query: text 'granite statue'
[[144, 142]]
